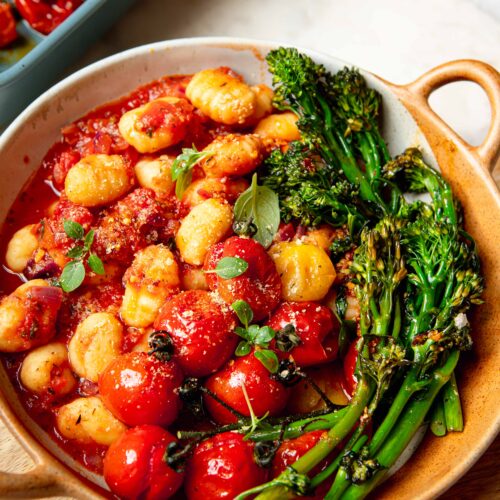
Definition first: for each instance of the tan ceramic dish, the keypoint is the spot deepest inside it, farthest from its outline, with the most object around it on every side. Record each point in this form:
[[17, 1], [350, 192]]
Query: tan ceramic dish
[[438, 463]]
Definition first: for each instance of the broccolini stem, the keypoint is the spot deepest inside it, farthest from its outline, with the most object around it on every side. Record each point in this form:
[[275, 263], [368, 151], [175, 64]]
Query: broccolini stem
[[342, 480], [409, 387], [405, 428], [438, 422], [452, 407], [354, 444], [324, 447]]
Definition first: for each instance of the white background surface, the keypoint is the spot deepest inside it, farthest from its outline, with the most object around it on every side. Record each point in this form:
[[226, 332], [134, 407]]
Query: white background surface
[[396, 39]]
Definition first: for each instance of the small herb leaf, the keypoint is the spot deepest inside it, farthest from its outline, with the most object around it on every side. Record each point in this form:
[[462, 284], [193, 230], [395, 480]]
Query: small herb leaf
[[76, 252], [257, 213], [72, 276], [268, 358], [73, 229], [231, 267], [243, 311], [264, 336], [243, 348], [182, 166], [242, 332], [89, 239], [95, 263]]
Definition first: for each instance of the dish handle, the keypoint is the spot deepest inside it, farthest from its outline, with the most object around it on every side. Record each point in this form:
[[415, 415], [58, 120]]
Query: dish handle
[[416, 95]]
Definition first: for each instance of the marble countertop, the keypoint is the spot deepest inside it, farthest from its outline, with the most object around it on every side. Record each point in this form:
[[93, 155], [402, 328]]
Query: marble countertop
[[396, 39]]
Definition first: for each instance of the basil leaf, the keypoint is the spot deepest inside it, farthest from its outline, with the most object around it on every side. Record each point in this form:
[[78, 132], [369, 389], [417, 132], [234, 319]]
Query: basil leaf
[[89, 239], [95, 263], [243, 311], [72, 275], [73, 229], [243, 348], [268, 358], [182, 166], [231, 267], [257, 208], [264, 336], [75, 252]]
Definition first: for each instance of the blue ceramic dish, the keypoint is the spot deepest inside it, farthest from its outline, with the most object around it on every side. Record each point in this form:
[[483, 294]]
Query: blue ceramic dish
[[27, 70]]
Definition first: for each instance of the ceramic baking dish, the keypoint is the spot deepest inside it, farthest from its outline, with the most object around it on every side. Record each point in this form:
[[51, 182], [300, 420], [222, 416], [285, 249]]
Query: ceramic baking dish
[[24, 78], [408, 121]]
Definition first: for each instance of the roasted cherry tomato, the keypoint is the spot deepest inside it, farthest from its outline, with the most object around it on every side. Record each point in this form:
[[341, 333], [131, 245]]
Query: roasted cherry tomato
[[140, 389], [259, 285], [265, 393], [46, 15], [201, 329], [315, 325], [222, 467], [350, 368], [134, 465], [292, 449], [8, 31]]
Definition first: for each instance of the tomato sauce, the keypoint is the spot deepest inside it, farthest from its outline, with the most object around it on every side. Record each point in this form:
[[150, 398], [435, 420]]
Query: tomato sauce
[[94, 133]]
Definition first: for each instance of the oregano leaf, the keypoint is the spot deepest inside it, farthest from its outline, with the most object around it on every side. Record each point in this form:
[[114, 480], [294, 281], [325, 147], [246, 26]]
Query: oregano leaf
[[89, 239], [72, 275], [95, 263], [230, 267], [73, 229], [243, 348], [243, 311], [264, 336], [76, 252], [182, 166], [268, 358]]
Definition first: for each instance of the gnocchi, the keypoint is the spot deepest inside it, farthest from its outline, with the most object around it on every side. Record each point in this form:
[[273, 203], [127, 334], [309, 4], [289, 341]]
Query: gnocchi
[[97, 180], [222, 95], [281, 127], [28, 316], [306, 271], [21, 247], [157, 125], [88, 420], [264, 102], [46, 369], [205, 225], [154, 173], [233, 155], [210, 187], [152, 277], [96, 341]]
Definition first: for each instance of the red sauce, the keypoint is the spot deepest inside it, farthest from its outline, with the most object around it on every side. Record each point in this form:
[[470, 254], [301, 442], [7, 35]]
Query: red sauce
[[96, 132]]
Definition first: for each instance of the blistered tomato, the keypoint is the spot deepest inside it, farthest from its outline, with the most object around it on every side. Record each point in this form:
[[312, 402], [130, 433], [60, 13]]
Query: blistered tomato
[[8, 31], [46, 15], [259, 285], [134, 465], [265, 393], [222, 467], [140, 389], [201, 328], [316, 327]]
